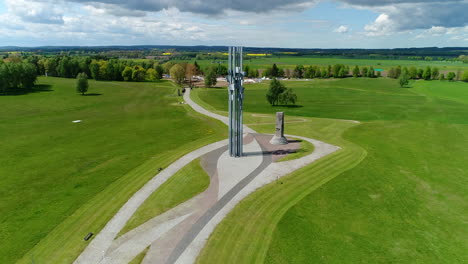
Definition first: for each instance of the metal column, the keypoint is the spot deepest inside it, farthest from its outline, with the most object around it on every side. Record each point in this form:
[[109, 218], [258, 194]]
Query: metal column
[[236, 96]]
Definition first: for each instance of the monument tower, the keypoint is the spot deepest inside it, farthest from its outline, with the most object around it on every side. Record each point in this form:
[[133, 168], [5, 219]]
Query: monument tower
[[236, 96]]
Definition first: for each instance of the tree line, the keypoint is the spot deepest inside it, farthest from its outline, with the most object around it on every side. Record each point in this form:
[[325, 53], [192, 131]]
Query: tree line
[[126, 70], [314, 71], [17, 75], [343, 71], [18, 72], [428, 73]]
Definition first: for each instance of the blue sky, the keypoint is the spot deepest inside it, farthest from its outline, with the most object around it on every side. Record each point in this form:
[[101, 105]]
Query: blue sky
[[265, 23]]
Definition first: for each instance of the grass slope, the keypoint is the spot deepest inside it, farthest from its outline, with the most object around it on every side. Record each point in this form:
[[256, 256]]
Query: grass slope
[[406, 202], [185, 184], [61, 180]]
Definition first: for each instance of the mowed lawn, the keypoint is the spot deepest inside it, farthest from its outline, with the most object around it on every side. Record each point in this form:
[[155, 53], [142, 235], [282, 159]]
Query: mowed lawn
[[60, 180], [404, 201]]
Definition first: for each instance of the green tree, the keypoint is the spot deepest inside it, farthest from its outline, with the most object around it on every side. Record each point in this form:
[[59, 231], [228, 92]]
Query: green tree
[[198, 69], [420, 73], [82, 83], [94, 69], [221, 70], [412, 73], [435, 73], [463, 58], [427, 73], [160, 71], [267, 72], [103, 70], [253, 73], [281, 73], [298, 71], [28, 75], [127, 73], [356, 71], [138, 73], [288, 97], [274, 92], [403, 79], [318, 73], [274, 70], [309, 72], [397, 71], [342, 73], [151, 74], [451, 76], [405, 70], [210, 77], [63, 67], [247, 71], [15, 70], [3, 78], [364, 72], [442, 77], [325, 73], [178, 74], [464, 77], [371, 73], [336, 70], [167, 67]]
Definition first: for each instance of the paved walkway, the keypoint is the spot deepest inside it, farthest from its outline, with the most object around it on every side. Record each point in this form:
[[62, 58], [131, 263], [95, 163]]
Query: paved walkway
[[98, 247], [178, 235]]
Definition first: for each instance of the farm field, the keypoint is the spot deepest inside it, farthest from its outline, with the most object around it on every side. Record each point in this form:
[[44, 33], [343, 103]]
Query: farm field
[[396, 192], [61, 180], [385, 64]]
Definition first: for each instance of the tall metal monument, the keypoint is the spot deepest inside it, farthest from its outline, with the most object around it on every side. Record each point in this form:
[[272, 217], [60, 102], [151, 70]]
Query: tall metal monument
[[236, 96]]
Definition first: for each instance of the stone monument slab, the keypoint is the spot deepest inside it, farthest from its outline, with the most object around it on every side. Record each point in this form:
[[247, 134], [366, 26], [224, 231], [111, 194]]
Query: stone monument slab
[[278, 138]]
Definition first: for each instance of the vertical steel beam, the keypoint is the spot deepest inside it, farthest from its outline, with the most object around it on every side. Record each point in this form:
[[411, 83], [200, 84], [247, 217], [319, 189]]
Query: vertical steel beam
[[236, 96]]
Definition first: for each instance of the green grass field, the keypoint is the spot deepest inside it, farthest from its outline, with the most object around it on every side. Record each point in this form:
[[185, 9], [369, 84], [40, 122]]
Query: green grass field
[[396, 192], [60, 180], [291, 61]]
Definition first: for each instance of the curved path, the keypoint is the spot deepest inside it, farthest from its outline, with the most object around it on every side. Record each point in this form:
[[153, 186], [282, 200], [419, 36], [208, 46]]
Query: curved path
[[178, 235]]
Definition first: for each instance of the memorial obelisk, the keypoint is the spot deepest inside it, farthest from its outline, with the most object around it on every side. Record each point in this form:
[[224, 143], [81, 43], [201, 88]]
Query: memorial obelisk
[[278, 138]]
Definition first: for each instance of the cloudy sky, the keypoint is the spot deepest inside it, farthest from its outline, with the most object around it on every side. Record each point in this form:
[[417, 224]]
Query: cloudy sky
[[260, 23]]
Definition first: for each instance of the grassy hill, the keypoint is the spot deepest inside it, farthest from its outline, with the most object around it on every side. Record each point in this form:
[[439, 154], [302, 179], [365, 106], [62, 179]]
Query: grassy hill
[[60, 180], [396, 193]]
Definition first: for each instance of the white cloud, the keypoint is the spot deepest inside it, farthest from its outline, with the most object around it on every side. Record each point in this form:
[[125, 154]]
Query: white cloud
[[458, 33], [383, 25], [342, 29], [43, 12], [209, 7], [404, 15], [184, 22], [437, 31]]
